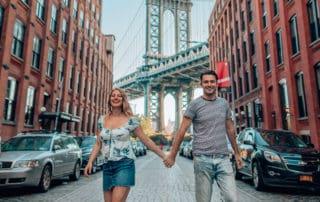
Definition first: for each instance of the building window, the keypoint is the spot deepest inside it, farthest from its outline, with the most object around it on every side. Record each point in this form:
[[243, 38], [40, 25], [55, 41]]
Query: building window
[[243, 21], [250, 11], [252, 44], [240, 86], [53, 21], [238, 58], [40, 9], [302, 104], [66, 2], [78, 83], [258, 116], [314, 21], [61, 70], [29, 109], [295, 47], [73, 42], [76, 113], [247, 79], [46, 98], [237, 29], [264, 16], [1, 19], [93, 11], [71, 77], [75, 9], [9, 112], [275, 7], [268, 57], [248, 115], [92, 37], [255, 75], [87, 28], [244, 51], [84, 87], [82, 122], [80, 50], [284, 104], [81, 19], [317, 75], [279, 47], [36, 50], [64, 31], [50, 63], [18, 39]]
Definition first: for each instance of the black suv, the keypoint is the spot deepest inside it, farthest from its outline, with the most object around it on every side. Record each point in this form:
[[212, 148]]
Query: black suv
[[278, 158]]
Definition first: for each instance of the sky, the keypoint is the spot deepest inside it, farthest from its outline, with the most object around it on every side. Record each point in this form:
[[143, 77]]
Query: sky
[[125, 19]]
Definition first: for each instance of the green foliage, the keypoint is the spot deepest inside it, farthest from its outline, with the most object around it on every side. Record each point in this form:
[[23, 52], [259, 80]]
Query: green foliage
[[146, 126]]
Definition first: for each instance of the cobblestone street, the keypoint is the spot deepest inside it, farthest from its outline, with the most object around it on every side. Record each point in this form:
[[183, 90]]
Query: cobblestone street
[[154, 183]]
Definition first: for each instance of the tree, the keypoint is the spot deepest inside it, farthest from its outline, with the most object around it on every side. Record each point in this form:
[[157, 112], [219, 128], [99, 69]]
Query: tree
[[146, 125]]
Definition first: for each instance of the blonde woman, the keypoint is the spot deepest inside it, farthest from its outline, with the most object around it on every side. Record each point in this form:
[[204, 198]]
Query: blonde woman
[[113, 139]]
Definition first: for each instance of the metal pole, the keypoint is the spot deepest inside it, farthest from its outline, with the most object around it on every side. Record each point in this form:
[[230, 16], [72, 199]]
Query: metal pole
[[58, 107]]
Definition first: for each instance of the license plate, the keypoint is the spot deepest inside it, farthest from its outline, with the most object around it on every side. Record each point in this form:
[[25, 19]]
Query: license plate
[[306, 178]]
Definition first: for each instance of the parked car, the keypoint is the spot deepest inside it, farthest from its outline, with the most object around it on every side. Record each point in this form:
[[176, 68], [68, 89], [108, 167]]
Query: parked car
[[86, 144], [36, 158], [183, 144], [187, 150], [277, 158], [142, 149]]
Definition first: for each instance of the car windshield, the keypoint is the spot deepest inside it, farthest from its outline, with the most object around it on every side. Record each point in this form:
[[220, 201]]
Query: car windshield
[[27, 143], [283, 139], [86, 142]]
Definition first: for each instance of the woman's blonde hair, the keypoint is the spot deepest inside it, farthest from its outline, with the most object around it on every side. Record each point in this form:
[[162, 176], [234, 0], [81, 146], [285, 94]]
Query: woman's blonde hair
[[126, 109]]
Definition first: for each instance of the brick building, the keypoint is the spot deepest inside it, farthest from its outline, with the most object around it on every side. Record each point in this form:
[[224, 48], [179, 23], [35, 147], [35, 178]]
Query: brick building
[[56, 65], [273, 51]]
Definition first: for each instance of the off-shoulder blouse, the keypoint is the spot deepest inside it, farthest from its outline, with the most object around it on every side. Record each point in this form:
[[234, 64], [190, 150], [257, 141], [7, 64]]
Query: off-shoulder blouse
[[116, 143]]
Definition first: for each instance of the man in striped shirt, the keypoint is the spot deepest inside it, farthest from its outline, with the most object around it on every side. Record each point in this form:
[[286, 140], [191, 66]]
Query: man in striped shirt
[[212, 123]]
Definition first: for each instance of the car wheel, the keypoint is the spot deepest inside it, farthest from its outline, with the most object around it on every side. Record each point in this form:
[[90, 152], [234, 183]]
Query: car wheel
[[76, 172], [45, 180], [257, 177]]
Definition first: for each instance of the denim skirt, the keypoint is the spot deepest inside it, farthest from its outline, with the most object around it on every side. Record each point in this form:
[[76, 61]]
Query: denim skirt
[[118, 173]]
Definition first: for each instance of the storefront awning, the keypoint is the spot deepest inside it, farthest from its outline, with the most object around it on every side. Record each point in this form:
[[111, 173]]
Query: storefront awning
[[62, 116]]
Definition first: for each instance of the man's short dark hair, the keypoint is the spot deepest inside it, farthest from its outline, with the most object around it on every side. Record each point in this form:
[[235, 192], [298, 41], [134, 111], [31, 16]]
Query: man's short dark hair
[[209, 72]]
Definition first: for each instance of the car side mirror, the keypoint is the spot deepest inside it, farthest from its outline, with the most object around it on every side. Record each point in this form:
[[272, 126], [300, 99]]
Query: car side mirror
[[56, 147]]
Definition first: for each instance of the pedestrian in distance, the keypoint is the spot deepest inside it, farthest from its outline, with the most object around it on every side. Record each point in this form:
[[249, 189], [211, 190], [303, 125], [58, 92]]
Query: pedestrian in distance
[[211, 119], [113, 140]]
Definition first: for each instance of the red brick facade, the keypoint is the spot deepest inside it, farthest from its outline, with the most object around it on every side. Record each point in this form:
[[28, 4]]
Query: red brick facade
[[83, 50], [279, 41]]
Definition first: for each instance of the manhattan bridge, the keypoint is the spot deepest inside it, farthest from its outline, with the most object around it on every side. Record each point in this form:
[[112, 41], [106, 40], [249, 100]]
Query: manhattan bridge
[[161, 73]]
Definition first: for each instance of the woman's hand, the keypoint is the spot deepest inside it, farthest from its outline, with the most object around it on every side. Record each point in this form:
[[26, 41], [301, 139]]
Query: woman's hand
[[87, 169]]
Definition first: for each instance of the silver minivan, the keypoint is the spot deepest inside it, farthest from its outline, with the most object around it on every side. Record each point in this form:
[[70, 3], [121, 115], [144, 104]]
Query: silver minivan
[[37, 158]]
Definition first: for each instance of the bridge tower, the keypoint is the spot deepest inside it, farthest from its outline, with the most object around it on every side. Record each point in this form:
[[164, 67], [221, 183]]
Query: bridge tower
[[154, 97], [181, 10]]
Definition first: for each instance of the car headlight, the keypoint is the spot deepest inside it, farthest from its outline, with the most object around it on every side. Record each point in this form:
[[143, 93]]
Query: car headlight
[[272, 157], [27, 164]]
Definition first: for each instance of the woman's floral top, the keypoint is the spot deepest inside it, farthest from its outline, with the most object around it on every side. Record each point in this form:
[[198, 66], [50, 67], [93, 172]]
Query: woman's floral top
[[116, 143]]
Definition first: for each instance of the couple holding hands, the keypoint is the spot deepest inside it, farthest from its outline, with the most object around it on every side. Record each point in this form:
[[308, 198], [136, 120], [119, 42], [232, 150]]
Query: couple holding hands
[[211, 119]]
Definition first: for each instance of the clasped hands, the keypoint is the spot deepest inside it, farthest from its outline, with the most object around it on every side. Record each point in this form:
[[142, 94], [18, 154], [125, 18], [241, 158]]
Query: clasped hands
[[168, 161]]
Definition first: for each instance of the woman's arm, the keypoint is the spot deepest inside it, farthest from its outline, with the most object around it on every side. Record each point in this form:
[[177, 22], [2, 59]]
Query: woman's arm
[[148, 142], [93, 155]]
